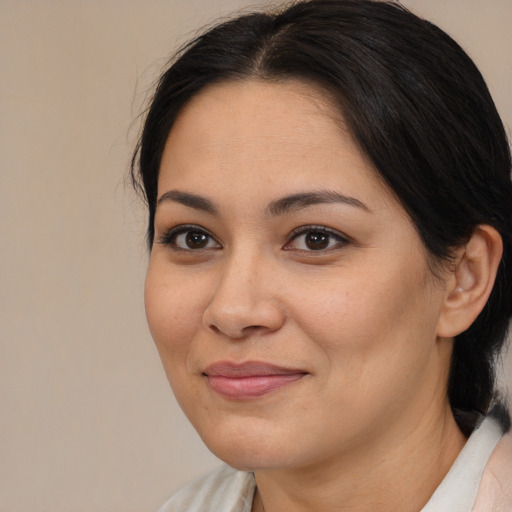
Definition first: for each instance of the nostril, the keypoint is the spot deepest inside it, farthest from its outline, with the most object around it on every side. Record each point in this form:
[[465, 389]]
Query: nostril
[[214, 328]]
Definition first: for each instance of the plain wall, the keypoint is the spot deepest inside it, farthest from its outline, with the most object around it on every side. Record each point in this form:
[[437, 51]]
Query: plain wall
[[88, 422]]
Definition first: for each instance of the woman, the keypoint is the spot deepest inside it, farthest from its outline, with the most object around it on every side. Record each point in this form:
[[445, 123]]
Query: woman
[[330, 229]]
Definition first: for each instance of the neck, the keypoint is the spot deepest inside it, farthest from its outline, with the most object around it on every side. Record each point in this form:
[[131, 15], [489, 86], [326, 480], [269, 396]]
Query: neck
[[396, 473]]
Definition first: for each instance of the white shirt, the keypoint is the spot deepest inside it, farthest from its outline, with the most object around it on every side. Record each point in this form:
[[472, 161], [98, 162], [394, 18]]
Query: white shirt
[[229, 490]]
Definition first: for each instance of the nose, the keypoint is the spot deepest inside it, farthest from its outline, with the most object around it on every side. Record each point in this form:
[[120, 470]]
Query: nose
[[245, 300]]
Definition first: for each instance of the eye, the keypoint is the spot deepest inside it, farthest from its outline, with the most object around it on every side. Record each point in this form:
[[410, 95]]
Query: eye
[[189, 238], [315, 238]]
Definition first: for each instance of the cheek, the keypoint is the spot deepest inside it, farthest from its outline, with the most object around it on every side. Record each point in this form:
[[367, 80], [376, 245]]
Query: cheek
[[173, 310], [373, 324]]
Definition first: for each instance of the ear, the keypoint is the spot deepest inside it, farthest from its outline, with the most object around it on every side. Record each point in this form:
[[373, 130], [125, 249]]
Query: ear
[[470, 283]]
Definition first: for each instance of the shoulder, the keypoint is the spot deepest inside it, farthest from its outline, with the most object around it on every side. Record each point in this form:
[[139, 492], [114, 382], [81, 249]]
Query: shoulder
[[224, 489], [495, 491]]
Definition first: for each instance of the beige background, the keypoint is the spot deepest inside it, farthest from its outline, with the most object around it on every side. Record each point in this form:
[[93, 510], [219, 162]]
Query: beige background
[[87, 420]]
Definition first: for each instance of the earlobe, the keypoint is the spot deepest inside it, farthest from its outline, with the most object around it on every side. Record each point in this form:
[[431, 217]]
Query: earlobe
[[471, 282]]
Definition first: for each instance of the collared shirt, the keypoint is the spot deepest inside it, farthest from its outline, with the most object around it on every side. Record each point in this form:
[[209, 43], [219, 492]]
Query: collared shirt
[[480, 480]]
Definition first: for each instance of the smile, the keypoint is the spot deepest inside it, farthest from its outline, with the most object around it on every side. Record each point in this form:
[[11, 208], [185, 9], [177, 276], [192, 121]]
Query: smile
[[249, 380]]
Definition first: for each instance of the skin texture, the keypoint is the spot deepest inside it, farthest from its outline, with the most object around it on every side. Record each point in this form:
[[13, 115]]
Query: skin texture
[[368, 425]]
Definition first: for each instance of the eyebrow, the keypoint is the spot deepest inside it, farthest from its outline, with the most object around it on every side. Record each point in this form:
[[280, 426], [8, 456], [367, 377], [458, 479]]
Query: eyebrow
[[296, 202], [280, 206], [191, 200]]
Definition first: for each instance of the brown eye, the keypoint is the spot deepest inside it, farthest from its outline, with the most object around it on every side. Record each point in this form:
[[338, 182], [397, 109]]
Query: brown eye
[[316, 240], [196, 239], [189, 238]]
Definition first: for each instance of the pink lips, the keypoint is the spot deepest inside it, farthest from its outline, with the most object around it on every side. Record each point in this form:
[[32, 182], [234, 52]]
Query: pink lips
[[249, 380]]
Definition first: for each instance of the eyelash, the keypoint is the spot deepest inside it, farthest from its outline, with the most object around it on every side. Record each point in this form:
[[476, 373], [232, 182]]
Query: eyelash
[[340, 240], [169, 238]]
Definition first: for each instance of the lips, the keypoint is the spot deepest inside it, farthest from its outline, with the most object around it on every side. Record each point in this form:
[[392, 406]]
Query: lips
[[249, 380]]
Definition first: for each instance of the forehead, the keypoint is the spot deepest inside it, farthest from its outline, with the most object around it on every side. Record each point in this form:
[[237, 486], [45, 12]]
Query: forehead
[[258, 109], [287, 135]]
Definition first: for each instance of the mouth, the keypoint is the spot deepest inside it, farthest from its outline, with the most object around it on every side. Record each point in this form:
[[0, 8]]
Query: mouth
[[249, 380]]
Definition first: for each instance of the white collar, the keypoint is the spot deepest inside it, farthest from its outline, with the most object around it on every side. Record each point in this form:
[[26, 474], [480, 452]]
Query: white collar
[[457, 492]]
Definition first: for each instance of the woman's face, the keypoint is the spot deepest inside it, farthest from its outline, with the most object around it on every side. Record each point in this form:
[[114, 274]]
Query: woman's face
[[288, 292]]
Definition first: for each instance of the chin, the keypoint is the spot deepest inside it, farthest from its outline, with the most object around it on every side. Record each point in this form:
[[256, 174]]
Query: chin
[[248, 445]]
